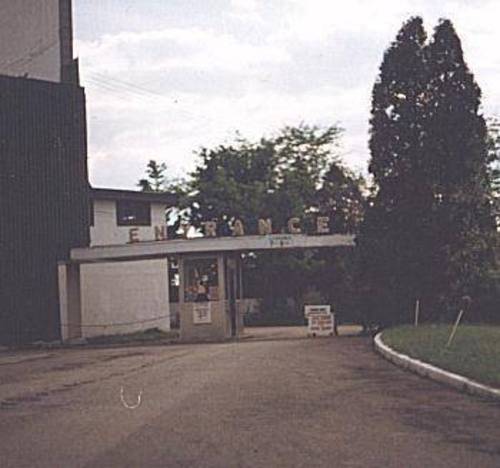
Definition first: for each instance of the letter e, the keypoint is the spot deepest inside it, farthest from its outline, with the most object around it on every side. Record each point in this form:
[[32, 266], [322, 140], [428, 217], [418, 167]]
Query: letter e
[[133, 235]]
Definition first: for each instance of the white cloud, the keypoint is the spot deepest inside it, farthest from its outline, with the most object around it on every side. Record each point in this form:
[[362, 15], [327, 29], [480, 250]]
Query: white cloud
[[317, 20], [246, 11], [252, 66], [161, 51], [248, 5]]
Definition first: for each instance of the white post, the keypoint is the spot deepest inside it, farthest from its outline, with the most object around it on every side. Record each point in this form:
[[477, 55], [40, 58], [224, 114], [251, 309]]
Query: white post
[[454, 330], [70, 301], [417, 311]]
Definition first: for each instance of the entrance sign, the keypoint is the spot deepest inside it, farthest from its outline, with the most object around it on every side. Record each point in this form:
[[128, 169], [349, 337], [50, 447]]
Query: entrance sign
[[320, 320], [202, 313], [264, 227]]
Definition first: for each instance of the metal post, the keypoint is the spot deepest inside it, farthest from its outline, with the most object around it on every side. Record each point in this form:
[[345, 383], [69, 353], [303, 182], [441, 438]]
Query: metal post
[[454, 330], [71, 302]]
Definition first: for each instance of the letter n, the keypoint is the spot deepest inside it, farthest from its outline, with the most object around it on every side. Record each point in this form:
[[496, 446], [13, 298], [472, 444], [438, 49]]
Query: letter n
[[265, 227], [161, 232]]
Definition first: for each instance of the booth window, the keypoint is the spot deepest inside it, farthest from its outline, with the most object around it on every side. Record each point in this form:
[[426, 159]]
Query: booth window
[[133, 213], [201, 281]]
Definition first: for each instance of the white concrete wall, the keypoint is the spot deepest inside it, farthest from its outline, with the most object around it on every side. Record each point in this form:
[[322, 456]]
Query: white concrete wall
[[29, 39], [106, 232], [115, 293]]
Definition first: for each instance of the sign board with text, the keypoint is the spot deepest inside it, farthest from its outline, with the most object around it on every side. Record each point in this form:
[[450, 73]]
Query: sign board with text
[[320, 320], [317, 310], [202, 313]]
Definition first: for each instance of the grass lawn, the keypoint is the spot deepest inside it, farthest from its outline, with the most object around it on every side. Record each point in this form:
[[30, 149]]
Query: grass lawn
[[474, 353]]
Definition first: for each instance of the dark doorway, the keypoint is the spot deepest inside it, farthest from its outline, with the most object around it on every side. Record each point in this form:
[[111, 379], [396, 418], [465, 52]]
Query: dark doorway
[[231, 292]]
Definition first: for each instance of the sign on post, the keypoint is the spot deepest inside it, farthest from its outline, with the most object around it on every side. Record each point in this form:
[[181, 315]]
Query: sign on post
[[320, 320]]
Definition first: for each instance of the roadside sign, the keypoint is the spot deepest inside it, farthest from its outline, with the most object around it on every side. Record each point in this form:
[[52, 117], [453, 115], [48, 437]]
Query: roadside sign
[[316, 310], [320, 320]]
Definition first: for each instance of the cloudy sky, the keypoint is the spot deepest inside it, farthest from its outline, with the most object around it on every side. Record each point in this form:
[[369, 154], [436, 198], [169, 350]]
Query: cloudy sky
[[165, 77]]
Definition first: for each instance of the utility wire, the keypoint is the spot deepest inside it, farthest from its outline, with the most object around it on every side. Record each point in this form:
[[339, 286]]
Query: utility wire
[[126, 84], [109, 86]]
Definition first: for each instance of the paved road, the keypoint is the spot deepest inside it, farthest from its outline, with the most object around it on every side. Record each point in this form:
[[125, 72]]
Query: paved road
[[274, 403]]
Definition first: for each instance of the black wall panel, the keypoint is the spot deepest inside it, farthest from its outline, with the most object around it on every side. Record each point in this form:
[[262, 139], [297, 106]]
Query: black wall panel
[[43, 201]]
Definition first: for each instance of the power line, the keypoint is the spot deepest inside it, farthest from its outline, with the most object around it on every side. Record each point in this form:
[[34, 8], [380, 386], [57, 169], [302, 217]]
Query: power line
[[124, 89], [116, 90], [127, 85], [123, 92]]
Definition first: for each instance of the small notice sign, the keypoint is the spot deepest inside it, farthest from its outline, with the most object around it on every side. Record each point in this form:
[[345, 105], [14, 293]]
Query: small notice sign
[[277, 241], [316, 310], [202, 313], [320, 320]]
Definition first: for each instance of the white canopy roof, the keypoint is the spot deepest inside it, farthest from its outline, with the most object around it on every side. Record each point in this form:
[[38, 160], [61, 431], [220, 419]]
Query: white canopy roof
[[159, 249]]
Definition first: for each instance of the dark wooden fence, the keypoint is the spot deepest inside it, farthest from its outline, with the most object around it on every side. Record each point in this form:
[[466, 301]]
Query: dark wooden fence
[[43, 201]]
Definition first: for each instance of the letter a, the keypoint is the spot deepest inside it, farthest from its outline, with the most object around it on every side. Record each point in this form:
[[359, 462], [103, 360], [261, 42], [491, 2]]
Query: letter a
[[238, 228]]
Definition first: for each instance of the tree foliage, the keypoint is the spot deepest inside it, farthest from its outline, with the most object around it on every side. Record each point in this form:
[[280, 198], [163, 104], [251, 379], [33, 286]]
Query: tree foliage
[[155, 177], [428, 228], [297, 173], [292, 174], [457, 160], [390, 241]]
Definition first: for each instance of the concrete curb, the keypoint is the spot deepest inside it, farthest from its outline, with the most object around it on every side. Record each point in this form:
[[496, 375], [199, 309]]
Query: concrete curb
[[423, 369]]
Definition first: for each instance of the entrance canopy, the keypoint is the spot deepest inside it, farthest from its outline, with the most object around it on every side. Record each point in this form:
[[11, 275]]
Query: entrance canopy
[[161, 249], [210, 272]]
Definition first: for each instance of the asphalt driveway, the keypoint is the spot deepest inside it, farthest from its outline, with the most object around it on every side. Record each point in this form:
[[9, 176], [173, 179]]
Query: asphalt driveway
[[271, 403]]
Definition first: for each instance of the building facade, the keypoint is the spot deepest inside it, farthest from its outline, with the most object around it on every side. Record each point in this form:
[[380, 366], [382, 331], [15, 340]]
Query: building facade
[[126, 296], [43, 201], [36, 40]]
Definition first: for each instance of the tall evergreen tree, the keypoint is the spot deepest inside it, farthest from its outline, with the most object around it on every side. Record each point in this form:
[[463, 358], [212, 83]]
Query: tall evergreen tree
[[457, 165], [391, 233], [429, 226]]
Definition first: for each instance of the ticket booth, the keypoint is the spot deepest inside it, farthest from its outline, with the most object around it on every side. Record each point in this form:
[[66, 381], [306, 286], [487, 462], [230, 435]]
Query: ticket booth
[[209, 299]]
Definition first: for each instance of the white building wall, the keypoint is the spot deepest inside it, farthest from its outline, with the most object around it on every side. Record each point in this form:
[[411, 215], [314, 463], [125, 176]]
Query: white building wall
[[106, 232], [124, 297], [115, 294]]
